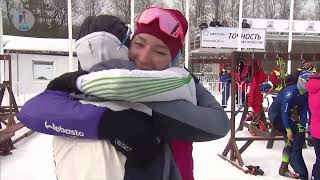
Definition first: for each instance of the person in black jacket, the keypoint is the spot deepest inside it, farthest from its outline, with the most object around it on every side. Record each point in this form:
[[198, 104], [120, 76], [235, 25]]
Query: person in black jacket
[[215, 23], [203, 25], [245, 24]]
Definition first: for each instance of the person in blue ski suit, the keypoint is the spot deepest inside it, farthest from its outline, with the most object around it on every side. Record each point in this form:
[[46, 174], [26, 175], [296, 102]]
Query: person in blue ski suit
[[289, 115]]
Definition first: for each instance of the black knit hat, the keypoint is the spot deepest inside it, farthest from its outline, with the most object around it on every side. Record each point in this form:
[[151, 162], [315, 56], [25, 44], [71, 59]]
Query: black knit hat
[[106, 23]]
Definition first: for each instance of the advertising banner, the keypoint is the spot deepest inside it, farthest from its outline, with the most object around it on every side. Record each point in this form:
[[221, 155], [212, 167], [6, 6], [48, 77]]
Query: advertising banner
[[228, 38]]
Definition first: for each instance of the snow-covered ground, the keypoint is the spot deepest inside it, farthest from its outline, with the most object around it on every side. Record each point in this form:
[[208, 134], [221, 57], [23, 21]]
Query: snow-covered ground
[[33, 159]]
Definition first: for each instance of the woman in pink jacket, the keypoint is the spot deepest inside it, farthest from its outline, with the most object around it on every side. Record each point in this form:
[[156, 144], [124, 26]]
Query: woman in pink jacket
[[313, 87]]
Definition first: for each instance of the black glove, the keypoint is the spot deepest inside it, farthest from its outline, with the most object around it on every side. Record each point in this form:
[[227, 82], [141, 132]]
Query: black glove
[[131, 132], [254, 170], [66, 82]]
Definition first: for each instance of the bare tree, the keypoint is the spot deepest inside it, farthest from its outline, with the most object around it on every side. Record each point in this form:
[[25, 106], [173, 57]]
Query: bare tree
[[6, 8], [215, 6], [298, 9], [258, 9], [121, 8], [84, 8], [93, 7], [317, 9], [212, 10], [273, 7], [38, 9], [265, 9], [233, 8], [197, 10], [216, 9], [269, 8], [252, 8], [255, 9], [247, 11], [180, 5], [223, 9], [143, 4], [9, 6], [57, 14], [284, 10]]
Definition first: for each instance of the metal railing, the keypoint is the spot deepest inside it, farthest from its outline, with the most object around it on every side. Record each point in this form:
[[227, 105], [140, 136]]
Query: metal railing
[[216, 88]]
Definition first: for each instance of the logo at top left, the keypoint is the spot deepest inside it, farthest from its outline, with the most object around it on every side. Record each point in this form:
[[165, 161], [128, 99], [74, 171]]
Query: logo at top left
[[23, 20]]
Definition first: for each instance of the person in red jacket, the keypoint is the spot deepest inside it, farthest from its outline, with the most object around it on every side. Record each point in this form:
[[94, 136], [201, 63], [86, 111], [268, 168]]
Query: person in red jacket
[[255, 98]]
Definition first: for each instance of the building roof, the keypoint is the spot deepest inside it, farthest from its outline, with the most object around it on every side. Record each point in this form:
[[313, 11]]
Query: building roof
[[30, 44]]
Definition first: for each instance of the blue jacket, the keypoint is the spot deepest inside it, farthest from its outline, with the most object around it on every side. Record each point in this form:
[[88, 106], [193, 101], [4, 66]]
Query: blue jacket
[[285, 101], [55, 113], [225, 78]]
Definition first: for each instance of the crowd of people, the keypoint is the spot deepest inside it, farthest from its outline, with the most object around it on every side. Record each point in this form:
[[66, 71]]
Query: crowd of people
[[216, 23], [296, 101]]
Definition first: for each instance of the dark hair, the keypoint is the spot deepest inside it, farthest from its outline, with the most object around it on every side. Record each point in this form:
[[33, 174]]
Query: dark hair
[[86, 27], [107, 23]]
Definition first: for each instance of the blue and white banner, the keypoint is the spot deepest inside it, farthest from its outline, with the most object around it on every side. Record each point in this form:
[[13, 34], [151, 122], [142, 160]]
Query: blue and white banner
[[281, 25]]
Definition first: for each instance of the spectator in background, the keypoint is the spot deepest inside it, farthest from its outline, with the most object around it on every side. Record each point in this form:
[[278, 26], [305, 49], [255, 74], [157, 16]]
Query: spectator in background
[[203, 25], [245, 24], [215, 23], [225, 23], [305, 65], [225, 80]]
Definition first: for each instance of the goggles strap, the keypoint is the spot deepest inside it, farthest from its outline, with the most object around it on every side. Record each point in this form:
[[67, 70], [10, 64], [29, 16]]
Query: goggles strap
[[125, 38]]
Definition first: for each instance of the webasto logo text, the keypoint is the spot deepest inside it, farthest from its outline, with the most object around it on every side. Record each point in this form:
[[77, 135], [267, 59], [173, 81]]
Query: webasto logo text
[[60, 129]]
